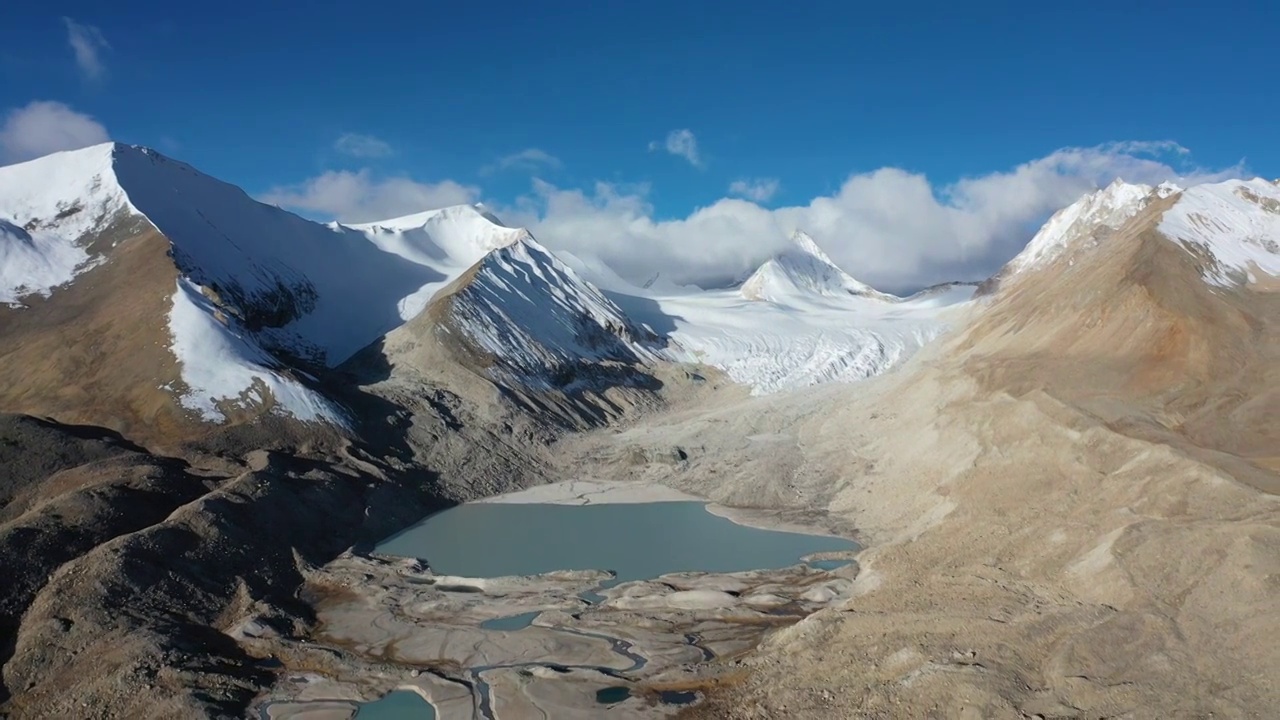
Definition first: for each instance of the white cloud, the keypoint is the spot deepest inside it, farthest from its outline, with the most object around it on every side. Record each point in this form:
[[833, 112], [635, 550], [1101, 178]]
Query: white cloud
[[757, 190], [529, 159], [360, 197], [892, 228], [45, 126], [681, 143], [362, 146], [87, 41]]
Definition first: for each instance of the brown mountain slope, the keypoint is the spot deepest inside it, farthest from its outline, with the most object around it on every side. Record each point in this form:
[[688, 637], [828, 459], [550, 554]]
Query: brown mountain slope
[[96, 351], [1065, 506], [1132, 333]]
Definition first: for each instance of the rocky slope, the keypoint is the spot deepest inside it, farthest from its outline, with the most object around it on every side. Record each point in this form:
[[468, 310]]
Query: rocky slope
[[1069, 504]]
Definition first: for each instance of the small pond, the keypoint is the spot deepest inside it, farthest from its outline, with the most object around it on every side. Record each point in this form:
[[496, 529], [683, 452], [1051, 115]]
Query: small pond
[[399, 705]]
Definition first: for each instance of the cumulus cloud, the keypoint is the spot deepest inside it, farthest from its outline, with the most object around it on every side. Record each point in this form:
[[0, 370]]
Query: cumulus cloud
[[45, 126], [681, 143], [360, 197], [892, 228], [362, 146], [757, 190], [87, 42], [529, 159]]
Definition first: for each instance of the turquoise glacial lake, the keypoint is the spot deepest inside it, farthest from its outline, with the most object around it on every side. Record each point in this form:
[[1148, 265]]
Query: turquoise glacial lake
[[636, 541]]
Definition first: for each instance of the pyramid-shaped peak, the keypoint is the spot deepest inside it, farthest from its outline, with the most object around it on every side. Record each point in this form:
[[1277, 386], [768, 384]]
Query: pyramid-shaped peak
[[803, 270], [805, 242]]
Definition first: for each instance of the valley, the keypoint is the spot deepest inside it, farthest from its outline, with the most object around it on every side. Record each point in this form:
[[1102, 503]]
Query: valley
[[224, 423]]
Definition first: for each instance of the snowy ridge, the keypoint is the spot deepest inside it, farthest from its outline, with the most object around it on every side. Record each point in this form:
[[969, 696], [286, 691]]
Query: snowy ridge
[[1070, 227], [449, 241], [803, 269], [68, 193], [1235, 223], [539, 318]]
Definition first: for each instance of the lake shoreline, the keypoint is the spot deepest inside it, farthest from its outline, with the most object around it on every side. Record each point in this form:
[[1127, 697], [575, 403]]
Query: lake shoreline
[[616, 492]]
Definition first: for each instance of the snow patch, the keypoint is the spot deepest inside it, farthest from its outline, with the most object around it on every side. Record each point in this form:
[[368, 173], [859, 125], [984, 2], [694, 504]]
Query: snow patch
[[221, 367], [1236, 223], [35, 264]]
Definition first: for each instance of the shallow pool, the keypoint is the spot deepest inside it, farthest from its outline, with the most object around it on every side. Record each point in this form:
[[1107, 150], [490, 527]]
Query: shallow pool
[[399, 705]]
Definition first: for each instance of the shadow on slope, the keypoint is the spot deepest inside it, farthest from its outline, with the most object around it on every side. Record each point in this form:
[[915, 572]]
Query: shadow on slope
[[646, 311], [125, 581]]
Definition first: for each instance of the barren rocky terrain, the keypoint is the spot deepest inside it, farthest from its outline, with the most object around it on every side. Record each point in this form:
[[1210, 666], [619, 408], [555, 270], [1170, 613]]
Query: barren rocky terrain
[[1074, 522]]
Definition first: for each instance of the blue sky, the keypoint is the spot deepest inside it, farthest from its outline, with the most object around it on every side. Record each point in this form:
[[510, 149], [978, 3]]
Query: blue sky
[[788, 100]]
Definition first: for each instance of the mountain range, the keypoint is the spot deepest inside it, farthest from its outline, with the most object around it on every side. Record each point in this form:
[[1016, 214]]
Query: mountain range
[[204, 394]]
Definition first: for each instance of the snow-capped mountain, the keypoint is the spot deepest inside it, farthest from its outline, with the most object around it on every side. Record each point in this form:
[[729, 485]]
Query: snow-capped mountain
[[1167, 304], [258, 301], [448, 241], [1084, 222], [261, 295], [1233, 226], [238, 268], [538, 321], [799, 320], [803, 269]]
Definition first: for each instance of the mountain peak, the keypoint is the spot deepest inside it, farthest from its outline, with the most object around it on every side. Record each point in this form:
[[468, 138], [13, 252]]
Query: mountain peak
[[1228, 226], [1097, 212], [476, 212], [805, 243], [800, 270], [535, 319]]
